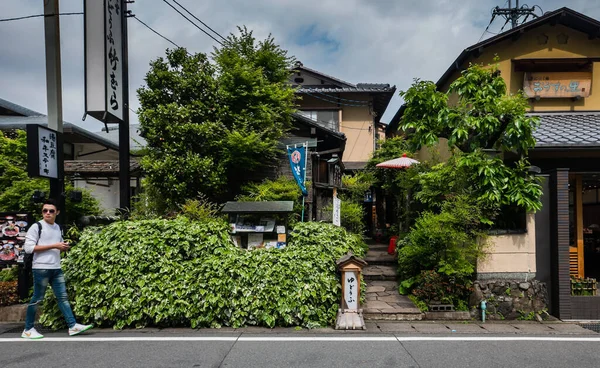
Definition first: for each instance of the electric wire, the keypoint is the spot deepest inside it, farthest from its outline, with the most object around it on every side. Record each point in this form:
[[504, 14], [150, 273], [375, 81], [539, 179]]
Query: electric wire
[[356, 141], [38, 16], [340, 98], [194, 24], [198, 19], [334, 102], [486, 28], [156, 32]]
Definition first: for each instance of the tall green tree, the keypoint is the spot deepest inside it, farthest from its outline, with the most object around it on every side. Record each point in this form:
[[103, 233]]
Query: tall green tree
[[211, 122], [483, 119], [17, 188]]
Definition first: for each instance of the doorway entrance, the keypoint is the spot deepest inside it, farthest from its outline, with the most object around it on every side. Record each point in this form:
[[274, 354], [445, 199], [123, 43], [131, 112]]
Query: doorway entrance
[[584, 225]]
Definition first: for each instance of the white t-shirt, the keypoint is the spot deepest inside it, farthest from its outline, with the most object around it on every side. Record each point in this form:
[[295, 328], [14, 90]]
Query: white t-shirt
[[51, 234]]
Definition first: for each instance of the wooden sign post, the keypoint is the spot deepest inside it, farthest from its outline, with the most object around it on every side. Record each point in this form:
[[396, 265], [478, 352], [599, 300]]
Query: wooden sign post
[[350, 315]]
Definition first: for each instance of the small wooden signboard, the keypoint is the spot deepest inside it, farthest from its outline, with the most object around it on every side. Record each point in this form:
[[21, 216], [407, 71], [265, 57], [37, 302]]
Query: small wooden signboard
[[557, 84]]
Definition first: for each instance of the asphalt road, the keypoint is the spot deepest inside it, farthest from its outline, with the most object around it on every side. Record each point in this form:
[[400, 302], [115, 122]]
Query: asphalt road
[[200, 349]]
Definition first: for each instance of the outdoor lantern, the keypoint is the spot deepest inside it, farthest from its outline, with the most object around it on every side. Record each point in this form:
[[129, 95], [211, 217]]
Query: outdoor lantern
[[38, 196], [76, 196], [350, 315]]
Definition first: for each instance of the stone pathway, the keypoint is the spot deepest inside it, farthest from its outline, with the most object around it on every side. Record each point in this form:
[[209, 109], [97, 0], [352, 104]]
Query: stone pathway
[[383, 303]]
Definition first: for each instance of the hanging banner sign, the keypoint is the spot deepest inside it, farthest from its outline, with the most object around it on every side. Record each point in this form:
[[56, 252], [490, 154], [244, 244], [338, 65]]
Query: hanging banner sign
[[103, 27], [297, 157], [42, 151]]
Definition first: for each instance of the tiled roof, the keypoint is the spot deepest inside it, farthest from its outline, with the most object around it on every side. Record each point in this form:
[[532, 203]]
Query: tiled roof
[[355, 165], [17, 108], [300, 66], [21, 122], [568, 130], [361, 87], [306, 120], [97, 166]]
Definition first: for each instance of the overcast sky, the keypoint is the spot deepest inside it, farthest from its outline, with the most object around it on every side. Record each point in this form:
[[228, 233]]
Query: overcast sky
[[376, 41]]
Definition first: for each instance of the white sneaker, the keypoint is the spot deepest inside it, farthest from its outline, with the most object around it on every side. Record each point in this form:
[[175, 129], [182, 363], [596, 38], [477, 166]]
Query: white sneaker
[[77, 329], [31, 334]]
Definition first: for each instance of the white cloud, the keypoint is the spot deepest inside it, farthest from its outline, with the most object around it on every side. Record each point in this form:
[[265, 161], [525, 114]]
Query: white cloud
[[382, 41]]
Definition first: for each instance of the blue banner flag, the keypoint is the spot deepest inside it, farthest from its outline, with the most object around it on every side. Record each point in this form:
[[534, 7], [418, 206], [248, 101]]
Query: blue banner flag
[[297, 156]]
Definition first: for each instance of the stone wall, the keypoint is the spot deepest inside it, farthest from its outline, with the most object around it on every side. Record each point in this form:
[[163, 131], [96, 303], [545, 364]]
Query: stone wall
[[510, 299]]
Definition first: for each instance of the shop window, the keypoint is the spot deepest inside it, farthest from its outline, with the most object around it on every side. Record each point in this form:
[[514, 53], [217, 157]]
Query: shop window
[[329, 119]]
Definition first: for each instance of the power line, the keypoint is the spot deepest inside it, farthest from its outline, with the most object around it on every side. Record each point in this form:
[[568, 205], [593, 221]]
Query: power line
[[486, 28], [156, 32], [340, 98], [335, 102], [194, 24], [198, 19], [356, 141], [38, 16]]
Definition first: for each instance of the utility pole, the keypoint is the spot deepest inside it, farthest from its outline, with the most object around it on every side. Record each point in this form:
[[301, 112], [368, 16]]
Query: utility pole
[[514, 15], [54, 94], [124, 177]]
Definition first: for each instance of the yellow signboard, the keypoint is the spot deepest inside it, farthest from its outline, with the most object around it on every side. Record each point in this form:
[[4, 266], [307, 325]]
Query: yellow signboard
[[557, 85]]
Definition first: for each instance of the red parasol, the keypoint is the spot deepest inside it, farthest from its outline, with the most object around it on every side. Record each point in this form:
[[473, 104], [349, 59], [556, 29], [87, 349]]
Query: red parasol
[[398, 163]]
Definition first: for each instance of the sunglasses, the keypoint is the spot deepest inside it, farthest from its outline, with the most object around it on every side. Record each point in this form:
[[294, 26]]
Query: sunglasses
[[46, 210]]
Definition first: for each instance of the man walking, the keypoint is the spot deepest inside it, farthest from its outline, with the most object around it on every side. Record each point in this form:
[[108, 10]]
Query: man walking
[[46, 247]]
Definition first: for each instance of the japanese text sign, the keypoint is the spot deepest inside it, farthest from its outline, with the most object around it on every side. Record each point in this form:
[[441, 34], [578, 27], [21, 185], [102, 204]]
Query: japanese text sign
[[557, 85], [104, 59], [351, 292], [43, 146], [337, 209]]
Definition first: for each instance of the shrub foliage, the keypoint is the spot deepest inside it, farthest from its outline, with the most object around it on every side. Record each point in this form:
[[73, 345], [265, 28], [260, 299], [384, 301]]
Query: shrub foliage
[[184, 273], [8, 293]]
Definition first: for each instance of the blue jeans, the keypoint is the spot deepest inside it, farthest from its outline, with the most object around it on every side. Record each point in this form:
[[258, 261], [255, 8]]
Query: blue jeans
[[56, 279]]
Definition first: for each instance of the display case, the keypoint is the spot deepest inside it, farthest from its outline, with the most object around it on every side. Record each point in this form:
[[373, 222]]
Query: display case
[[259, 224], [13, 228]]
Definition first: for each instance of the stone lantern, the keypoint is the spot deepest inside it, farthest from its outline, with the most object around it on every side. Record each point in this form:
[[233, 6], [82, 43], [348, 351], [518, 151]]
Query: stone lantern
[[350, 314]]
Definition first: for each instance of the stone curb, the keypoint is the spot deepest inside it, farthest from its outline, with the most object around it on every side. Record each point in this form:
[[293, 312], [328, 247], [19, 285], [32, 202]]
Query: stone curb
[[13, 313], [447, 316]]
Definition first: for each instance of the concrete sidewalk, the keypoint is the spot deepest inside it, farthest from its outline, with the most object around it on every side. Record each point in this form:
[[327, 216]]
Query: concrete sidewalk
[[373, 328]]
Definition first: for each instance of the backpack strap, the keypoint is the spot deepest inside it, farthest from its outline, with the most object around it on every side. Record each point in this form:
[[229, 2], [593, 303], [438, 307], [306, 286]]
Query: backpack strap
[[39, 224]]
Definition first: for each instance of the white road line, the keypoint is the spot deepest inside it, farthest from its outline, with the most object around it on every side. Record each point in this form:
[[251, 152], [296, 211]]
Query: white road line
[[304, 339]]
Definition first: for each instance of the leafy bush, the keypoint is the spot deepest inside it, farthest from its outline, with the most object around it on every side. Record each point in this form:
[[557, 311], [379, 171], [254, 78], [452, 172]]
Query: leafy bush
[[446, 245], [423, 307], [8, 293], [9, 274], [442, 289], [351, 216], [281, 189], [200, 209], [355, 186], [448, 242], [184, 273]]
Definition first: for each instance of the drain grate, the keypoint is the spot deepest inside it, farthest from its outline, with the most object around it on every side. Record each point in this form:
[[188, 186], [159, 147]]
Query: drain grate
[[441, 308], [591, 326]]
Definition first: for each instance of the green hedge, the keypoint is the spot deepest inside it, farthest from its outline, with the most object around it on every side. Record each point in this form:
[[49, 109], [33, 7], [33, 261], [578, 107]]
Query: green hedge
[[183, 273]]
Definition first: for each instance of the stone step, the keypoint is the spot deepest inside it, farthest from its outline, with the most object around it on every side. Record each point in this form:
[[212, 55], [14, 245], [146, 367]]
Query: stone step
[[392, 316], [380, 247], [377, 257], [380, 272]]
